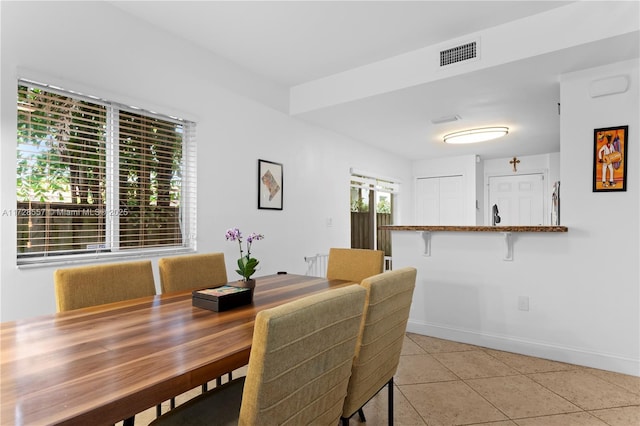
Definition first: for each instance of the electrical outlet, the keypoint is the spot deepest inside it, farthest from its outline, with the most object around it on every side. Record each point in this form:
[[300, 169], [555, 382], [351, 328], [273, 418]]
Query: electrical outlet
[[523, 303]]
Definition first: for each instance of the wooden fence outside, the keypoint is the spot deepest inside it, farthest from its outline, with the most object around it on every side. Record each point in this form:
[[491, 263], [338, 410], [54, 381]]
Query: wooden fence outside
[[361, 235], [44, 227]]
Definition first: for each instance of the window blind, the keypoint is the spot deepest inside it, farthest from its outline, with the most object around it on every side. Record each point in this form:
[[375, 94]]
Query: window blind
[[96, 178], [365, 182]]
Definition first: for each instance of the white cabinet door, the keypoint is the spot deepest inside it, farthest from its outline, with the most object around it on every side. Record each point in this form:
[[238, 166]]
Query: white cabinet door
[[451, 201], [439, 201], [519, 199]]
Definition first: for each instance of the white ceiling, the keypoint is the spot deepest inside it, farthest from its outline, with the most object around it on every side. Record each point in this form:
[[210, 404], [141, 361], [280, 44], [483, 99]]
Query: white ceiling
[[295, 42]]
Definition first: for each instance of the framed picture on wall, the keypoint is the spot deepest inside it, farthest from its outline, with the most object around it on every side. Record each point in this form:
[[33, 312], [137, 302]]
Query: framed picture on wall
[[610, 159], [269, 185]]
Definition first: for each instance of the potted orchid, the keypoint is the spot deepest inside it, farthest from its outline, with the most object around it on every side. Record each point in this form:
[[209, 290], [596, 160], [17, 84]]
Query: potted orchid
[[246, 264]]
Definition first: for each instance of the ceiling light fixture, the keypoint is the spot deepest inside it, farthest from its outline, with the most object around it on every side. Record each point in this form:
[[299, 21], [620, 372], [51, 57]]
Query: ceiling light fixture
[[476, 135]]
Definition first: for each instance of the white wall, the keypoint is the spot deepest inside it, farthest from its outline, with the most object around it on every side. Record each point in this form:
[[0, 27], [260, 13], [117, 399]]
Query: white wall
[[138, 65], [604, 264], [583, 286]]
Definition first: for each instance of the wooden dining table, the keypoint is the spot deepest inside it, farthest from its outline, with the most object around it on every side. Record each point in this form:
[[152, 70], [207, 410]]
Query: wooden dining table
[[102, 364]]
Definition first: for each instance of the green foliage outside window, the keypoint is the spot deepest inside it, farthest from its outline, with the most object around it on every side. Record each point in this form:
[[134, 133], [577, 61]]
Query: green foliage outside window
[[384, 206]]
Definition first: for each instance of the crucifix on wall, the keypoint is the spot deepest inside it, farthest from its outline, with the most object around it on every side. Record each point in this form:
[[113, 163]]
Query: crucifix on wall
[[515, 163]]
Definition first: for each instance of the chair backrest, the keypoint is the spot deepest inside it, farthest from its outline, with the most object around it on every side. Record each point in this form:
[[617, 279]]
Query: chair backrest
[[192, 272], [354, 264], [301, 359], [382, 333], [85, 286]]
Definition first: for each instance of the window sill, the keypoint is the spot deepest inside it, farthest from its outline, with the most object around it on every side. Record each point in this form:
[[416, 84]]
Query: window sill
[[79, 259]]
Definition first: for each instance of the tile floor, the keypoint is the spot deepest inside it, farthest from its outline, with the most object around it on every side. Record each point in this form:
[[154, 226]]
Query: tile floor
[[440, 382]]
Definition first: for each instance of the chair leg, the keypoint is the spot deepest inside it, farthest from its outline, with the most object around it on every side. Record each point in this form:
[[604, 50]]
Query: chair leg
[[158, 410], [390, 383], [361, 414], [218, 381], [129, 422], [172, 403], [345, 421]]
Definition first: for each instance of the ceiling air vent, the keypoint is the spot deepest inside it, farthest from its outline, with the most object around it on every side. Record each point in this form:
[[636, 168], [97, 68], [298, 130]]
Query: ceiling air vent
[[458, 54]]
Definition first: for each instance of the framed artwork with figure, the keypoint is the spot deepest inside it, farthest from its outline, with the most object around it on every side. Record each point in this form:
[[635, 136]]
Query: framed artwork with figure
[[269, 185], [610, 159]]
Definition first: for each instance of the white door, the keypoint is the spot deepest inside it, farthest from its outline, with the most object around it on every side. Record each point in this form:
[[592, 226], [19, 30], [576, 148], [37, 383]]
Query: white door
[[439, 201], [519, 199]]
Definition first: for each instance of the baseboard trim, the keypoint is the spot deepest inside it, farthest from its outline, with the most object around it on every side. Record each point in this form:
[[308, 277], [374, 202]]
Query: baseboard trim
[[578, 356]]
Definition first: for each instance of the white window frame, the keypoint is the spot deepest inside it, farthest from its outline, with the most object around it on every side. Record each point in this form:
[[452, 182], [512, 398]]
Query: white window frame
[[369, 181], [188, 200]]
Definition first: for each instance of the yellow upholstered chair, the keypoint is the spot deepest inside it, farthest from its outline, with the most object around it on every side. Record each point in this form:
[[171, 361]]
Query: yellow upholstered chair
[[354, 264], [384, 324], [192, 272], [299, 367], [84, 286]]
